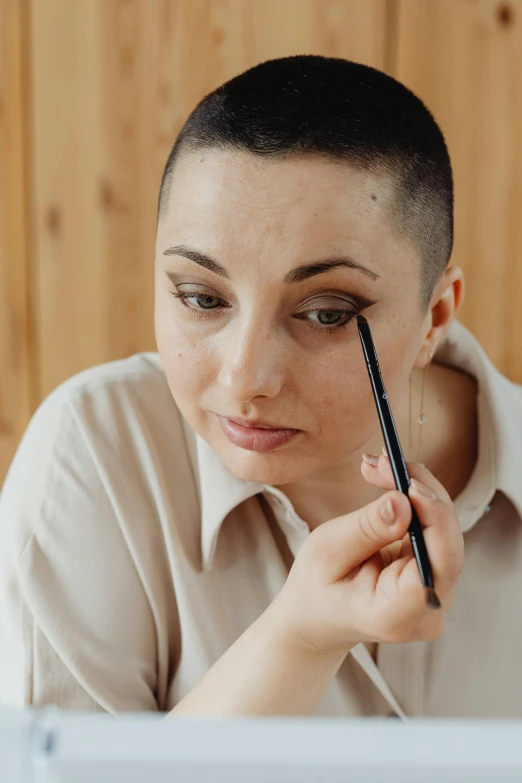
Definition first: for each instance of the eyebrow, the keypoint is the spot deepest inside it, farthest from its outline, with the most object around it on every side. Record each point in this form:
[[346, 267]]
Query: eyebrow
[[296, 275]]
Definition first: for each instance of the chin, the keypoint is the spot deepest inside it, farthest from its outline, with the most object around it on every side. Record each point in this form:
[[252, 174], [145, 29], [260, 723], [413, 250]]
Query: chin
[[270, 467]]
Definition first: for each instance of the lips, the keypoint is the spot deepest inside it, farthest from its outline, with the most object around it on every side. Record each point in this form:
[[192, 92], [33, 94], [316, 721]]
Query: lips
[[257, 423], [255, 438]]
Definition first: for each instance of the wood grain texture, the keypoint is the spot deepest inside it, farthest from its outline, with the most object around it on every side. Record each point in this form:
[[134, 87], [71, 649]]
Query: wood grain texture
[[464, 59], [73, 313], [16, 398], [114, 81]]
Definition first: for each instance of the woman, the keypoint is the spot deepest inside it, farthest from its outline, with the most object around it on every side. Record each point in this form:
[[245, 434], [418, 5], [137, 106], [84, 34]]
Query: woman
[[155, 555]]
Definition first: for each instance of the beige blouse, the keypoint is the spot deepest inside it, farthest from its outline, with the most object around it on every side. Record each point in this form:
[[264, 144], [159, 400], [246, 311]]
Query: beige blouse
[[131, 558]]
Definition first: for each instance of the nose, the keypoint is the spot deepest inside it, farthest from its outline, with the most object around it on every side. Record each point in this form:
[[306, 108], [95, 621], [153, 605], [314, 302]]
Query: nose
[[252, 362]]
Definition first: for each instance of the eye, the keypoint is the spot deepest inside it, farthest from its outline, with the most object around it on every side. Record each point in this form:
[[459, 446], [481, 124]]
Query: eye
[[330, 320], [184, 297], [333, 317], [204, 298]]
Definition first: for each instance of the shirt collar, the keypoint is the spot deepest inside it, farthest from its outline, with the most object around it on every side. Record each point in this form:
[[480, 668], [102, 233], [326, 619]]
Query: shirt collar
[[499, 406], [220, 492], [499, 448]]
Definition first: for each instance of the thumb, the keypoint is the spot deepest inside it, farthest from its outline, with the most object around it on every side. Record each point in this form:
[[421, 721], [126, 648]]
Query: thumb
[[352, 538]]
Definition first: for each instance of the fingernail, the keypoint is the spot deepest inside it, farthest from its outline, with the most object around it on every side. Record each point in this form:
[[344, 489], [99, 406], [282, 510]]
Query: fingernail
[[422, 488], [371, 459], [384, 451], [387, 511]]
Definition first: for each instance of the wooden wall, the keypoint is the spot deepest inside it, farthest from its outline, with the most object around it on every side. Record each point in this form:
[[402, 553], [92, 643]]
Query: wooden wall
[[18, 365], [92, 95]]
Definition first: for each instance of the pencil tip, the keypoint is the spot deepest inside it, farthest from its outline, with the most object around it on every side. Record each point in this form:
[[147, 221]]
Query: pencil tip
[[432, 598], [361, 319]]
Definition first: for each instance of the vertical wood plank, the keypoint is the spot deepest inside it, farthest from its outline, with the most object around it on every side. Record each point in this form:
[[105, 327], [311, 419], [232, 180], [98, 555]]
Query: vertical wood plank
[[464, 59], [72, 315], [16, 399]]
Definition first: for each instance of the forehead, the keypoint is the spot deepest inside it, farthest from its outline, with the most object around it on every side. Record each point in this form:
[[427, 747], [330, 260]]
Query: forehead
[[233, 200], [219, 180]]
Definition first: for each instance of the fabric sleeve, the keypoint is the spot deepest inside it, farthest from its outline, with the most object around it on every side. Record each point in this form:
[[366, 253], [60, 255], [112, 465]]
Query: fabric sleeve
[[76, 627]]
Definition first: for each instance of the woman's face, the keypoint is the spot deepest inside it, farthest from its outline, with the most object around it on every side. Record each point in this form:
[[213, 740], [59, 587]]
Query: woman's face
[[251, 341]]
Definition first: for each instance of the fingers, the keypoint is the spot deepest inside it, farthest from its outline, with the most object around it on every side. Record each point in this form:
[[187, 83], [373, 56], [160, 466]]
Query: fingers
[[379, 473], [367, 575], [406, 549], [343, 543], [444, 540], [396, 550], [441, 528]]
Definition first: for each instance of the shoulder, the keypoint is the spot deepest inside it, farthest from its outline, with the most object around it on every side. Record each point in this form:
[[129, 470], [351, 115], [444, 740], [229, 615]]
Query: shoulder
[[99, 444], [118, 383], [126, 399], [85, 511]]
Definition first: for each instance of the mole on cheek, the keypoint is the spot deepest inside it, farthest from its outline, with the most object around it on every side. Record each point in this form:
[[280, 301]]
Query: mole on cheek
[[179, 354], [374, 197]]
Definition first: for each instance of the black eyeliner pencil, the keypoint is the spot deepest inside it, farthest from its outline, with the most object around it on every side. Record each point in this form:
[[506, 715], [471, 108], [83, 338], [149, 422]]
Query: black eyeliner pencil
[[397, 461]]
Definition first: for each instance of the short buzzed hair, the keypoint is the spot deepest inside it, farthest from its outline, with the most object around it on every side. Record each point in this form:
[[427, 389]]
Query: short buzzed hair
[[343, 111]]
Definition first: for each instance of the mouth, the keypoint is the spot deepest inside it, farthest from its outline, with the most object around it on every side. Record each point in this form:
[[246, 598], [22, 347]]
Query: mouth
[[263, 437], [260, 424]]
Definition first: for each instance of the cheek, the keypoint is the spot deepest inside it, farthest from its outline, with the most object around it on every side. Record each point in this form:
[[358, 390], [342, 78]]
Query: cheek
[[177, 339], [187, 366], [171, 331], [188, 373], [337, 389], [340, 394], [345, 406], [395, 361]]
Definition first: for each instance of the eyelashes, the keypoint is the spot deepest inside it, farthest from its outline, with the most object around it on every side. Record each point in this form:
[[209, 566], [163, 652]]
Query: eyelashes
[[328, 329]]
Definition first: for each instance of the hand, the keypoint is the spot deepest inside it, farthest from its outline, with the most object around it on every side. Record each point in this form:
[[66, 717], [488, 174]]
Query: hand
[[355, 578]]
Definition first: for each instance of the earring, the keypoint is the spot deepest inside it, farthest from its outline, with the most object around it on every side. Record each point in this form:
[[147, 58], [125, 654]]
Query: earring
[[422, 416]]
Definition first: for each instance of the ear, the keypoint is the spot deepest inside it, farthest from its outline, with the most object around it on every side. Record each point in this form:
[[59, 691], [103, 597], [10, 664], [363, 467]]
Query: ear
[[445, 303]]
